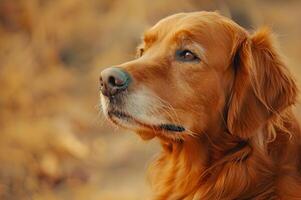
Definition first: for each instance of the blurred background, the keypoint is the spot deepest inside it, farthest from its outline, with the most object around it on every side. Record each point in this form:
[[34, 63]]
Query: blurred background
[[54, 141]]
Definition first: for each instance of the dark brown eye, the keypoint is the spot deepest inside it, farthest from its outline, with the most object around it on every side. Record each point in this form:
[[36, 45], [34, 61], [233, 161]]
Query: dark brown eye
[[186, 56]]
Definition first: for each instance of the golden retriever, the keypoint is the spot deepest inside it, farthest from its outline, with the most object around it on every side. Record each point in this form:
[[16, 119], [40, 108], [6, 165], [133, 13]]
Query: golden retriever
[[219, 99]]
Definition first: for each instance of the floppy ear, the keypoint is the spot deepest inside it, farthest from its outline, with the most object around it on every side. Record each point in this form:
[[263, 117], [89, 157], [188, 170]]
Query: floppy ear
[[262, 86]]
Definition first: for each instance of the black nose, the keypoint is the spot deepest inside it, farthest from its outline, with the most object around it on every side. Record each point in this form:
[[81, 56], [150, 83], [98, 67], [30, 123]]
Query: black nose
[[113, 80]]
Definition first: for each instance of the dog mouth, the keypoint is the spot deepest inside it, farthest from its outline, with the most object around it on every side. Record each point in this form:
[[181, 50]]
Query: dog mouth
[[120, 115]]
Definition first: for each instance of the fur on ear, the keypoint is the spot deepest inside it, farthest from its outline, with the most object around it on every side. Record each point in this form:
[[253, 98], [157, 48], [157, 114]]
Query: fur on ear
[[262, 88]]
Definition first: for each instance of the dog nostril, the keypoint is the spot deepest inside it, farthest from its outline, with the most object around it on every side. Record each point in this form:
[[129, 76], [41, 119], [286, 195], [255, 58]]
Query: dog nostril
[[116, 81], [112, 81], [101, 81]]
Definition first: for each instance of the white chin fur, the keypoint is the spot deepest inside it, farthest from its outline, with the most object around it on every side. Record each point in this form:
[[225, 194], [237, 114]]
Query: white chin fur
[[142, 104], [104, 105]]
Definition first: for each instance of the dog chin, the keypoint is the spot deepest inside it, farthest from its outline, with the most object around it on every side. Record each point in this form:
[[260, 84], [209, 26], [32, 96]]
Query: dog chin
[[146, 134], [147, 126], [124, 121], [127, 123]]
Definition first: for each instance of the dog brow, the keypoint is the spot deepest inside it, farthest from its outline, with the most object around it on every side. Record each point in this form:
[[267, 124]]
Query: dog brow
[[150, 37], [182, 35]]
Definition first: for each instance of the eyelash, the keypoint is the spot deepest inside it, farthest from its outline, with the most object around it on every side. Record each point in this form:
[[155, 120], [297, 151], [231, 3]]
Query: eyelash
[[180, 54]]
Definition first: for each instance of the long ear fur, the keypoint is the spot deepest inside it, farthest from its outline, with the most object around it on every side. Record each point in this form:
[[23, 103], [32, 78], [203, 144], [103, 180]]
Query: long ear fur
[[262, 88]]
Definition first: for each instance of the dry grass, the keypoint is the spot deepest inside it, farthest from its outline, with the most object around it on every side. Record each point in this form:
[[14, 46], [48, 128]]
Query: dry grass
[[54, 143]]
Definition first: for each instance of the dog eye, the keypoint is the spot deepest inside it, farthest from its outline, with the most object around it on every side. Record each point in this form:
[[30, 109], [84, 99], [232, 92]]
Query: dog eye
[[186, 55]]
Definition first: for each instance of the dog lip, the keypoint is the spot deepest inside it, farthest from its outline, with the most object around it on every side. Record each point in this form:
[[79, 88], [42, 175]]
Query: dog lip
[[119, 114], [172, 127], [166, 127]]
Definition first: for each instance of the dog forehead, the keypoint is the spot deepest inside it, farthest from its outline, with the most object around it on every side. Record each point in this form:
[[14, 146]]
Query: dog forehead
[[183, 25], [190, 17]]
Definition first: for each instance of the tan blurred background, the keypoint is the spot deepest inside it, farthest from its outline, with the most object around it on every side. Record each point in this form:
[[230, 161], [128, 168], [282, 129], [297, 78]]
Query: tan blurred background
[[54, 141]]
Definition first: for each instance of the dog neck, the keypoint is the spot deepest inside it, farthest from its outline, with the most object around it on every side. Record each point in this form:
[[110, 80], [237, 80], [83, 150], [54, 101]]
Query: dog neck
[[181, 167], [188, 168], [178, 169]]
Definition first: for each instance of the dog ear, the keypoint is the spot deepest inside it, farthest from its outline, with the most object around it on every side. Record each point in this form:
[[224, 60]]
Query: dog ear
[[262, 85]]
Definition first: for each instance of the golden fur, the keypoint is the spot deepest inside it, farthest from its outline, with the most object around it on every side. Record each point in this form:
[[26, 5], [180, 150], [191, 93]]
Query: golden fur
[[242, 140]]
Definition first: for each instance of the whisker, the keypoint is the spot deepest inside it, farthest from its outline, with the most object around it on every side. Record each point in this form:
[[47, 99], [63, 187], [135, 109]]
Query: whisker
[[169, 109]]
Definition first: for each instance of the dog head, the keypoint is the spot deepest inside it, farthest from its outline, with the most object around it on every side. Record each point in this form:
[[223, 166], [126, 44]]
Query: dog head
[[194, 73]]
